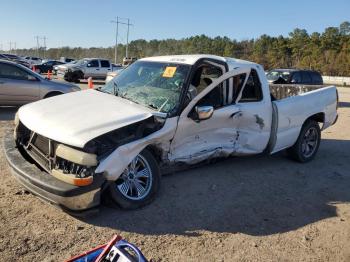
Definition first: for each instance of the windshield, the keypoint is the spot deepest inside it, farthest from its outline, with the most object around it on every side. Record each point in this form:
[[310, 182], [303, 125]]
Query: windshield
[[152, 84], [274, 75], [80, 62]]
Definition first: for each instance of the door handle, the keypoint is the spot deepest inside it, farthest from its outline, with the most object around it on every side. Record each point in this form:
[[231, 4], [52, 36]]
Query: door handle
[[97, 69], [235, 113]]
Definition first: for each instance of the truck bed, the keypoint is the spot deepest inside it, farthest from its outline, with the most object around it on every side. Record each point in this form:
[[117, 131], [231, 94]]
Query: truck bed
[[281, 91], [293, 104]]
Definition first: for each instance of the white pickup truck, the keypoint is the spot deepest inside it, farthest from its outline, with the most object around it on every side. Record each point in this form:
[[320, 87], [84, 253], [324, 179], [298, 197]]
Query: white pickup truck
[[84, 68], [158, 113]]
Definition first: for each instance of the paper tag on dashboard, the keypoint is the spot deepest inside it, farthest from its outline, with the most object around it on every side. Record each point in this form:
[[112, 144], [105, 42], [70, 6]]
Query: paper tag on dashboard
[[169, 71]]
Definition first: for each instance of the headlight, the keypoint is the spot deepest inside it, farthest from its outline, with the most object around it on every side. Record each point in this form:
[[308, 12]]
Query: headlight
[[76, 156]]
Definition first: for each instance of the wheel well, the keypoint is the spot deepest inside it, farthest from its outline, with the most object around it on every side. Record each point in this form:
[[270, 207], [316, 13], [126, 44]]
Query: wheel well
[[156, 152], [53, 93], [319, 117]]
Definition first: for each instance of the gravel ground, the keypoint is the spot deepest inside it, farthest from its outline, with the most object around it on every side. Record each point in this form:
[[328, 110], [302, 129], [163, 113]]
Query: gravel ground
[[261, 208]]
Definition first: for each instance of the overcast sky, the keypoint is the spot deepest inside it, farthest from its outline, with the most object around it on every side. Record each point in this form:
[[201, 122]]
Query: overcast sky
[[86, 23]]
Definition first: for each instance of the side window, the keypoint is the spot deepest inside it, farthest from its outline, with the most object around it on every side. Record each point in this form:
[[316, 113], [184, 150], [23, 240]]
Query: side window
[[93, 63], [316, 78], [12, 72], [252, 91], [217, 98], [204, 76], [296, 78], [306, 78], [105, 63], [214, 98]]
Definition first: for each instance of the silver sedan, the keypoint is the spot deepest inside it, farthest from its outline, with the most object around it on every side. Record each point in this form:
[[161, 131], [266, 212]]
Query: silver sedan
[[19, 85]]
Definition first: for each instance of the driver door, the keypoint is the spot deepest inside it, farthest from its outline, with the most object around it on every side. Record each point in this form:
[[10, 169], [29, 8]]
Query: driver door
[[196, 140]]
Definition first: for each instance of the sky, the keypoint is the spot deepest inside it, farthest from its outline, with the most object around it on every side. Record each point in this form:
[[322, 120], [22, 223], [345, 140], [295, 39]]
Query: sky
[[86, 23]]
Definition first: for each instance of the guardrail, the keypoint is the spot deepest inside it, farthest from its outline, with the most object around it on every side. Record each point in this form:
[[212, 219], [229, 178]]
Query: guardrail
[[336, 80]]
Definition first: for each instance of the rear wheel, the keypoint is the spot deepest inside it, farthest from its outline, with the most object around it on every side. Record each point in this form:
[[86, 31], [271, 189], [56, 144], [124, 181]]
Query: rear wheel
[[139, 183], [306, 147]]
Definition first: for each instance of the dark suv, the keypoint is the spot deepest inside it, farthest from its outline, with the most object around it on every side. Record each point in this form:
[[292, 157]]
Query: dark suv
[[294, 76]]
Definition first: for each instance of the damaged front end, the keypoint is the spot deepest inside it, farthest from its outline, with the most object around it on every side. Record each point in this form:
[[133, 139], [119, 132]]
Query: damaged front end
[[66, 163], [63, 174]]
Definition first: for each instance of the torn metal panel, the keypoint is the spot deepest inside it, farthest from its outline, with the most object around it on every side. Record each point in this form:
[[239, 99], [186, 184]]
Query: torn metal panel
[[113, 165]]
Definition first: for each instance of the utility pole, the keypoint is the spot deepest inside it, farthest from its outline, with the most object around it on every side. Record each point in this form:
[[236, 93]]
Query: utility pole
[[116, 40], [10, 43], [37, 45], [117, 22], [127, 39], [44, 38]]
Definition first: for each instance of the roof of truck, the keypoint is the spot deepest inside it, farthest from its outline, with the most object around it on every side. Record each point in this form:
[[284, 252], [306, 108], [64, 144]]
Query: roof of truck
[[192, 59]]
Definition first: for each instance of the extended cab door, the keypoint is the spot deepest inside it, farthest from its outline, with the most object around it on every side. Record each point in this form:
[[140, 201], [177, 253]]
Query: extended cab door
[[196, 140], [255, 114]]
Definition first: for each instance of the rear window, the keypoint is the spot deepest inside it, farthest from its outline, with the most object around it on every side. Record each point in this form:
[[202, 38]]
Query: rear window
[[316, 78], [252, 91], [296, 78], [93, 63], [306, 78], [105, 63]]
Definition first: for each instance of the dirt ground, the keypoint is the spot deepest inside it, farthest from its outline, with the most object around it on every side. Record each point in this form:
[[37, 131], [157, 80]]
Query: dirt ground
[[261, 208]]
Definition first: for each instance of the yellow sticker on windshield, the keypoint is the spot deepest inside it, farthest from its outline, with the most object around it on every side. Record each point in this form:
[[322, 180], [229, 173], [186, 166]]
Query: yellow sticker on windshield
[[169, 71]]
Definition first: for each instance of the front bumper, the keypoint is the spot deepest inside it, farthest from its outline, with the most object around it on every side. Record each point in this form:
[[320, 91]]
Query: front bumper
[[71, 198]]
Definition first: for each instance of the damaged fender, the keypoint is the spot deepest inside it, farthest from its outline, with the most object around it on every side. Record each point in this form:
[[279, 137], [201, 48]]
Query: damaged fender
[[114, 165]]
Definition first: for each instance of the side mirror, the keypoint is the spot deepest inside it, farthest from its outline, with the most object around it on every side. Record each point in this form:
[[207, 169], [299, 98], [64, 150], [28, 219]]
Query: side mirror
[[204, 112]]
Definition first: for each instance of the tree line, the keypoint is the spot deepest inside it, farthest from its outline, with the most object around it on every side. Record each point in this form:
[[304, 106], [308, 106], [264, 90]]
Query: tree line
[[327, 52]]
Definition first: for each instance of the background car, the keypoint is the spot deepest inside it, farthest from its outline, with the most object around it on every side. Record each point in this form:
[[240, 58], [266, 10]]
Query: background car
[[47, 66], [294, 76], [32, 60], [14, 58], [97, 68], [19, 85], [66, 59]]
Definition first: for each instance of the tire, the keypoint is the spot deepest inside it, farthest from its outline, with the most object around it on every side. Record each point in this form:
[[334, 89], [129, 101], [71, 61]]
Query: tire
[[68, 77], [128, 195], [307, 144]]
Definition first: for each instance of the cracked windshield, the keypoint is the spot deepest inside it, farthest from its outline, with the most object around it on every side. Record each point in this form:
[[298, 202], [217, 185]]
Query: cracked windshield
[[152, 84]]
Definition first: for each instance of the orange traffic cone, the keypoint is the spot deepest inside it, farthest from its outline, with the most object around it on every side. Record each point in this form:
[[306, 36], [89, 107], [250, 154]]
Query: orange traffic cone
[[90, 83], [49, 74]]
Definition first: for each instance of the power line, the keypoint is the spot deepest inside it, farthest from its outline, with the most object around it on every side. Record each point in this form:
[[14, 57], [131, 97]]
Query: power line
[[117, 22]]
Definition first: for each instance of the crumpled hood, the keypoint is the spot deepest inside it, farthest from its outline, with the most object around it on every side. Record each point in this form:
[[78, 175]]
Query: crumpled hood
[[76, 118]]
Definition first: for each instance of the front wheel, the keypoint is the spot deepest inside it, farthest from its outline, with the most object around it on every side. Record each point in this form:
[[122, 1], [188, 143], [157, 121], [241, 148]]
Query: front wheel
[[306, 147], [138, 184]]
